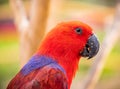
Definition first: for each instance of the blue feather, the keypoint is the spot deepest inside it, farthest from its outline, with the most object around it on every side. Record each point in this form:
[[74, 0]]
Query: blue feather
[[39, 61]]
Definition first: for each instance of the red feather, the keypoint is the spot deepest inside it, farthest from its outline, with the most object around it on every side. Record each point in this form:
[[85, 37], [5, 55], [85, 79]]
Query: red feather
[[45, 78]]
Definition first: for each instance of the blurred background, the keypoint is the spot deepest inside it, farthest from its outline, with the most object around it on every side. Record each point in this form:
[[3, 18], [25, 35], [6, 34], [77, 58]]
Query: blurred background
[[99, 14]]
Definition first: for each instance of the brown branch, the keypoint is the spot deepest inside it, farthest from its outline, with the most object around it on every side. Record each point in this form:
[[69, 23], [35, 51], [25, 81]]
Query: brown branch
[[37, 27], [19, 13], [55, 9], [109, 41], [38, 16], [30, 32]]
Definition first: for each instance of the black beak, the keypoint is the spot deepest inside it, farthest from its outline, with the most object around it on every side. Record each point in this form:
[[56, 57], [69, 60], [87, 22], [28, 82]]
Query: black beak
[[91, 48]]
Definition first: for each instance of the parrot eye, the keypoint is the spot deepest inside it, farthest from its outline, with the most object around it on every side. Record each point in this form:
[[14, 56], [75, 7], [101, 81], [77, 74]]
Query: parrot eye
[[78, 30]]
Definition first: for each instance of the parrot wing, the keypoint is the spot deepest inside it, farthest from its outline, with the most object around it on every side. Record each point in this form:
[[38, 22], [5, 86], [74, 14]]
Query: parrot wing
[[50, 76]]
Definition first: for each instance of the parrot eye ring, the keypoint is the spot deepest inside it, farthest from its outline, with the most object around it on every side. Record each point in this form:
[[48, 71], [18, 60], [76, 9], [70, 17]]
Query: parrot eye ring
[[78, 30]]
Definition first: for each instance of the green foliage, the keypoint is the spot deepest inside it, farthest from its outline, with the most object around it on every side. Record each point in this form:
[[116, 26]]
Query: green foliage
[[101, 2], [7, 71], [9, 63], [3, 1]]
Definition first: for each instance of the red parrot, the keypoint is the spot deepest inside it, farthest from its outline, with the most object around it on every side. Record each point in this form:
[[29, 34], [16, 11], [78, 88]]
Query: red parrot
[[54, 64]]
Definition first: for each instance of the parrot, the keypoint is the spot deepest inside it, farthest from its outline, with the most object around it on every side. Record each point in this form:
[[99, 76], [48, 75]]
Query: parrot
[[54, 64]]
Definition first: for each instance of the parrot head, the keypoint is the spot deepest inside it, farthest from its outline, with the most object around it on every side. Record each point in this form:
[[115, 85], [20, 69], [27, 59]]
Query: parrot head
[[67, 43], [75, 37]]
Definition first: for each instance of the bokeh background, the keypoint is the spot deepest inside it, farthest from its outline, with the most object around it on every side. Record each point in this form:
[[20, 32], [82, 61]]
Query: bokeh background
[[99, 14]]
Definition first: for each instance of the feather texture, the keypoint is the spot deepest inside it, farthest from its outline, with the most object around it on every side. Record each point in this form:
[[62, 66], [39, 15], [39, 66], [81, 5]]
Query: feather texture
[[40, 72]]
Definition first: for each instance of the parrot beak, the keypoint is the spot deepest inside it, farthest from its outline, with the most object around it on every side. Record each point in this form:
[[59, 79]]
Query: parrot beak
[[91, 48]]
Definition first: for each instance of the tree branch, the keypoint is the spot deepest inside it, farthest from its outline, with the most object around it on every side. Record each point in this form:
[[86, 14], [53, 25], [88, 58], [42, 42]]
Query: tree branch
[[38, 17], [19, 14], [109, 41], [30, 31]]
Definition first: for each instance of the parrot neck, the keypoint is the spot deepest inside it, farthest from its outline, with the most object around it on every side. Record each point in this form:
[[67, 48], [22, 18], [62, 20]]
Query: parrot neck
[[67, 59], [70, 64]]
